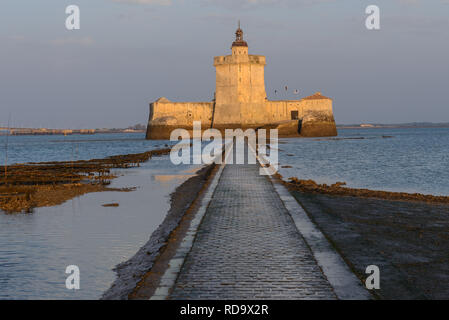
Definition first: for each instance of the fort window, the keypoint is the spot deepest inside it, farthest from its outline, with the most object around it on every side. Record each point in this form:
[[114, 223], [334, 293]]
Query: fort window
[[294, 115]]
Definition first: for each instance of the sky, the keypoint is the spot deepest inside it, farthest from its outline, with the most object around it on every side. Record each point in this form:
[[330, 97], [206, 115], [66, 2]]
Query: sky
[[131, 52]]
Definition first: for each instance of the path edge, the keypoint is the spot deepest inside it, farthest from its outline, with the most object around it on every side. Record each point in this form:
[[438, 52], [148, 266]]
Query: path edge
[[170, 275], [345, 283]]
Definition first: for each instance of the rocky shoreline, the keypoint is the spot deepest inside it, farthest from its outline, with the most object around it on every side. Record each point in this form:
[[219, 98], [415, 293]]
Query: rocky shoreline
[[24, 187], [339, 189]]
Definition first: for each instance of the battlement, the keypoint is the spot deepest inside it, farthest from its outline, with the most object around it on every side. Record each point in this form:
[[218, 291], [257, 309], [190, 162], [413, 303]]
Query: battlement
[[232, 59]]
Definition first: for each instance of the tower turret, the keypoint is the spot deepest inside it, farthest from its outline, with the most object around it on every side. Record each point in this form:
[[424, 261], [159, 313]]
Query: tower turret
[[239, 46]]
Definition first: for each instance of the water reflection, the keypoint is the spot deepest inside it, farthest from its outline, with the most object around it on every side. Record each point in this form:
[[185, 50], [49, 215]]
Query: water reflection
[[35, 249]]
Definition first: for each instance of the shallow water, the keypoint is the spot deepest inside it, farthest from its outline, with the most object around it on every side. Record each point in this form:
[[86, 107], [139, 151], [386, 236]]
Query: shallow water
[[74, 147], [412, 160], [36, 248]]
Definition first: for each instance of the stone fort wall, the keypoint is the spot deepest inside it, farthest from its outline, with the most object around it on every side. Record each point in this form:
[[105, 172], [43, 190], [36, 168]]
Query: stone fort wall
[[166, 116], [312, 116]]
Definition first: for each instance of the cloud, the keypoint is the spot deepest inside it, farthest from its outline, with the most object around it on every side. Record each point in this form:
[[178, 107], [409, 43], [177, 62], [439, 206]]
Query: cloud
[[251, 4], [418, 25], [84, 41], [230, 19], [413, 2], [17, 38], [153, 2], [409, 1]]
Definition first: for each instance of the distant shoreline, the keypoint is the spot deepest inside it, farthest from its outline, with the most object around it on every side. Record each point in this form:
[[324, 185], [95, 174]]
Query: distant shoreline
[[413, 125], [65, 132]]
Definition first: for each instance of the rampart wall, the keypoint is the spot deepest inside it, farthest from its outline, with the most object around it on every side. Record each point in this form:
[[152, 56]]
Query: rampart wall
[[311, 116]]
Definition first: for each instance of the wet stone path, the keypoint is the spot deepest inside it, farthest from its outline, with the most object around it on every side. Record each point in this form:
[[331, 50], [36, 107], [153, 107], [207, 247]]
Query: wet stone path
[[247, 247]]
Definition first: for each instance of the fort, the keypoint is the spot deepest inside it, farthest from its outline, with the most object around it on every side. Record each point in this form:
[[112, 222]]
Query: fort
[[240, 101]]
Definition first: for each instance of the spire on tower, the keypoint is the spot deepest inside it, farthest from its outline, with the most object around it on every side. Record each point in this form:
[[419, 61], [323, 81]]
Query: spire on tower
[[239, 42]]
